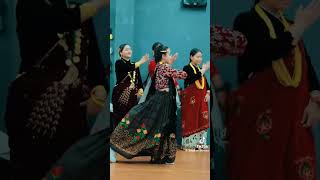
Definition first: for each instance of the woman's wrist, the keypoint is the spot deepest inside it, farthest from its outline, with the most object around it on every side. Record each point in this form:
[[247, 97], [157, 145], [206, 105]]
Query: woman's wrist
[[98, 95], [315, 97], [296, 32]]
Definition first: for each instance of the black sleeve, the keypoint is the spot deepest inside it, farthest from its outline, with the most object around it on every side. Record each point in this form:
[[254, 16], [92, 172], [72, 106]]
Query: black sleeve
[[56, 16], [123, 67], [96, 68], [313, 79], [260, 44], [191, 78], [140, 84]]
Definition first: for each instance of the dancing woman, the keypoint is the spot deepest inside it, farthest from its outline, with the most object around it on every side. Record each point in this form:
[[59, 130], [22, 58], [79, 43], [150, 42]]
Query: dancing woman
[[151, 125], [195, 98], [269, 136], [48, 103], [151, 70], [129, 84]]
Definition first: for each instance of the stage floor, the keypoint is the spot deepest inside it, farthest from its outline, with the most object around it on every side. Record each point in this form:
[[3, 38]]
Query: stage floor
[[188, 166]]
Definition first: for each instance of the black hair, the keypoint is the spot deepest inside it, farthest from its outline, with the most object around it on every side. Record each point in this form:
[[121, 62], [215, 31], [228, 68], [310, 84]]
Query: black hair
[[155, 45], [193, 52], [256, 1], [159, 51], [121, 47]]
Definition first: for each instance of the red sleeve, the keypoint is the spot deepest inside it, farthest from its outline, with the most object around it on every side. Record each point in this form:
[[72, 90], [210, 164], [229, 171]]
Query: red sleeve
[[152, 67], [226, 42]]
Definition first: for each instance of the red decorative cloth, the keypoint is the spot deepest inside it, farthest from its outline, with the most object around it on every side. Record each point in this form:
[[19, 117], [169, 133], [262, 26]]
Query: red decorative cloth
[[194, 110], [267, 139]]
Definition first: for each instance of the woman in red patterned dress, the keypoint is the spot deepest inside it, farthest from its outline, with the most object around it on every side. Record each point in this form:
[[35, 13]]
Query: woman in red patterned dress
[[271, 112], [194, 104]]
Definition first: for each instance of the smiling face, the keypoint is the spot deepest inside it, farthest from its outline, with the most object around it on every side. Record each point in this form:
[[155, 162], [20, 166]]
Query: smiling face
[[197, 58], [126, 52]]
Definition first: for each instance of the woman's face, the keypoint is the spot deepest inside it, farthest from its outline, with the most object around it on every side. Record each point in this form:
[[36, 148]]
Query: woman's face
[[197, 58], [166, 57], [278, 5], [126, 52]]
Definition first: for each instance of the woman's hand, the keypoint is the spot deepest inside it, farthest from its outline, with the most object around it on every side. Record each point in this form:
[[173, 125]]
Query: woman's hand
[[305, 17], [145, 58], [207, 97], [140, 93], [205, 67], [173, 58], [308, 15], [311, 114], [93, 108], [96, 102]]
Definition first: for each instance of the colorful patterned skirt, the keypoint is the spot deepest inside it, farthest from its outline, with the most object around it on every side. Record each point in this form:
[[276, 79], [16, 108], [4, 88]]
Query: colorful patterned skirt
[[195, 116], [149, 128]]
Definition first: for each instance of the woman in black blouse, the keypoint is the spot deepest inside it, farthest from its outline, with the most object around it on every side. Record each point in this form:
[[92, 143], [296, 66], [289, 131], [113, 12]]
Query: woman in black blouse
[[275, 104], [129, 86], [61, 81], [129, 83], [194, 103]]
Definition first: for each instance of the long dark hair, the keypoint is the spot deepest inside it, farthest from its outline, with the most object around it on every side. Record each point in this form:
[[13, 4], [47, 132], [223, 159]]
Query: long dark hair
[[159, 51], [155, 45], [121, 47], [193, 52]]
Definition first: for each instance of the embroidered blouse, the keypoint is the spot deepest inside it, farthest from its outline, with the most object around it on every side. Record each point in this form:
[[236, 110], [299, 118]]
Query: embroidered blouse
[[152, 68], [164, 72], [226, 42]]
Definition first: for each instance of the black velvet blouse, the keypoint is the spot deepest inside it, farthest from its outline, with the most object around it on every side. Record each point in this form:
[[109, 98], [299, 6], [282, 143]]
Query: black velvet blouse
[[192, 77], [261, 49]]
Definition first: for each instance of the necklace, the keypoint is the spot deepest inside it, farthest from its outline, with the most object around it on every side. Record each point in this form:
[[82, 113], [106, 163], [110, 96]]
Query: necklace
[[279, 66], [132, 79], [72, 55], [199, 86]]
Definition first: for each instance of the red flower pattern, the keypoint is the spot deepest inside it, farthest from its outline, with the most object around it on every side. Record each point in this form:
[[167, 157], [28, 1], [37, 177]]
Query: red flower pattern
[[56, 171], [264, 124], [305, 169]]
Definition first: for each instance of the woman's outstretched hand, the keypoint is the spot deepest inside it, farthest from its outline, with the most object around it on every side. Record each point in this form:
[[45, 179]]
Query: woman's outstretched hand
[[311, 113], [305, 17]]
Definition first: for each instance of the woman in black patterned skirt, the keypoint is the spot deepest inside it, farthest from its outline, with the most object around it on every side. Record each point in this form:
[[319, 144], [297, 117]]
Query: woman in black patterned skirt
[[151, 125]]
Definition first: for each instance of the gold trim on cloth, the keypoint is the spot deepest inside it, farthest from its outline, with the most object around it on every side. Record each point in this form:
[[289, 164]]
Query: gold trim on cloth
[[279, 66]]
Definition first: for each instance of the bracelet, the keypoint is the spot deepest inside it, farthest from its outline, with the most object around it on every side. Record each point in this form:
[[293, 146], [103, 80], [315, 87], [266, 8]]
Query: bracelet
[[99, 102], [315, 98], [95, 99]]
